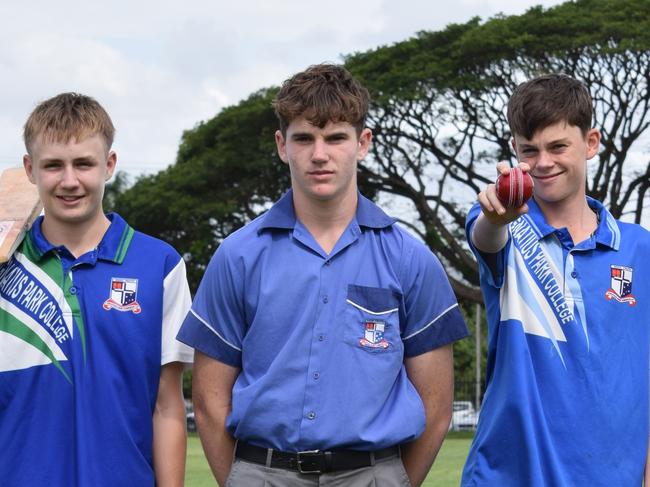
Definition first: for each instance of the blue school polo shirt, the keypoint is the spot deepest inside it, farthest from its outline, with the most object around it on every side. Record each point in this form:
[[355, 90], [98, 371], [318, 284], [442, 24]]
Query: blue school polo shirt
[[567, 374], [321, 339], [82, 342]]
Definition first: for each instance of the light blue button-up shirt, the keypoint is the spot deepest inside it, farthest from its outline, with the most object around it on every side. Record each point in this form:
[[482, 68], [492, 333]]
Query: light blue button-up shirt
[[321, 339]]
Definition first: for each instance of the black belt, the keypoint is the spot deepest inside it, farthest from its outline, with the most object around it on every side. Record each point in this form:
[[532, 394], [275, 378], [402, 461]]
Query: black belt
[[315, 461]]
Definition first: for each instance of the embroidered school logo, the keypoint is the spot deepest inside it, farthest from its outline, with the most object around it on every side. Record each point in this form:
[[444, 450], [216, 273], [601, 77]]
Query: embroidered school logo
[[621, 285], [124, 293], [374, 335]]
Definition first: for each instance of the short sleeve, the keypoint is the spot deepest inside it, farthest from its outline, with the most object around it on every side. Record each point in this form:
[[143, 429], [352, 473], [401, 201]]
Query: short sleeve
[[176, 302], [215, 324], [487, 276], [432, 316]]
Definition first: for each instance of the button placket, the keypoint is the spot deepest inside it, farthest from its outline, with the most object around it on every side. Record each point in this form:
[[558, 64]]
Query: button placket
[[322, 318]]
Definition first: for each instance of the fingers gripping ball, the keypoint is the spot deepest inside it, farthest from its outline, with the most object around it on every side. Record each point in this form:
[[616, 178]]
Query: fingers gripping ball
[[514, 188]]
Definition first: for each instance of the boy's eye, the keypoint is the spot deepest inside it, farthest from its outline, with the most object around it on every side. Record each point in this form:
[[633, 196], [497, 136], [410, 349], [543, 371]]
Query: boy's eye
[[84, 163], [337, 138]]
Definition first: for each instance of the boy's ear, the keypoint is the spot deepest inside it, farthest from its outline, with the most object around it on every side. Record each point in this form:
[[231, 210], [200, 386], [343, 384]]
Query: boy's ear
[[281, 144], [593, 142], [29, 168], [111, 161], [365, 137]]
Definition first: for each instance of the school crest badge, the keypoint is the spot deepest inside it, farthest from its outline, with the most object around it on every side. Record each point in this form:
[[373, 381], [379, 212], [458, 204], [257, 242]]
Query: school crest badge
[[124, 295], [373, 336], [621, 285]]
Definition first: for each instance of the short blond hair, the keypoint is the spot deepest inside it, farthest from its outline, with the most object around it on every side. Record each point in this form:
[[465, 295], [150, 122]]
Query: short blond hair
[[68, 116]]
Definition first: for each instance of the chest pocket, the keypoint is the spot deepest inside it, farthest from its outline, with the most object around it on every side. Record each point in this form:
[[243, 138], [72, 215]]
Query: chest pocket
[[372, 319]]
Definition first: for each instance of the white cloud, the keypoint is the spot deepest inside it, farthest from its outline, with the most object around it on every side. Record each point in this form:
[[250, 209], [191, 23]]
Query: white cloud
[[160, 67]]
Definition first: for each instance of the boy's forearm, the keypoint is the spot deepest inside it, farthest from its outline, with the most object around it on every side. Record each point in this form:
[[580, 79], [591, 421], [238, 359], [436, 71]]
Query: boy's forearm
[[488, 237], [432, 376], [170, 442], [212, 392], [218, 444]]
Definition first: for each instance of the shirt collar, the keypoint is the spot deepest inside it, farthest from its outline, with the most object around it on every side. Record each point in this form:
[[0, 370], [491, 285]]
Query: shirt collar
[[607, 232], [282, 214], [112, 247]]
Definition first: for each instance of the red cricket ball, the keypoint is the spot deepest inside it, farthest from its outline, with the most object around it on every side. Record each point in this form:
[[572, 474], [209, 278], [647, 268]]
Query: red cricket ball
[[514, 188]]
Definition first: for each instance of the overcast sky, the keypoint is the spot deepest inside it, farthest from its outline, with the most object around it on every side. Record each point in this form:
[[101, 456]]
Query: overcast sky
[[161, 67]]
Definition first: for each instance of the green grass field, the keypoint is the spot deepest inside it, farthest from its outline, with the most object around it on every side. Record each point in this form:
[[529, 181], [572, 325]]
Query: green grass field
[[445, 472]]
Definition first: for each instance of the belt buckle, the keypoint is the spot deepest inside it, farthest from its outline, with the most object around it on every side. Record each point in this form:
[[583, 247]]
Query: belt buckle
[[303, 456]]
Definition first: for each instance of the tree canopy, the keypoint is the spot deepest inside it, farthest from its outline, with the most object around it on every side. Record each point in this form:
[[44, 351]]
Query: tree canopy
[[439, 111], [438, 119], [225, 174]]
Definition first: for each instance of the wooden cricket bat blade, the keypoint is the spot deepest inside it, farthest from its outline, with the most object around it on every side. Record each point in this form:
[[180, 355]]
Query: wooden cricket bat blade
[[19, 207]]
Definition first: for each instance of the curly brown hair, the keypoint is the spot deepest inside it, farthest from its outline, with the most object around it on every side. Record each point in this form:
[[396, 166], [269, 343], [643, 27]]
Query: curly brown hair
[[322, 93]]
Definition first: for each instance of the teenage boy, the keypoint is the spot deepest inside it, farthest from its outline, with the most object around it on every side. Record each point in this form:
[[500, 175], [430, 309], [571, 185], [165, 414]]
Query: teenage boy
[[568, 312], [322, 329], [90, 371]]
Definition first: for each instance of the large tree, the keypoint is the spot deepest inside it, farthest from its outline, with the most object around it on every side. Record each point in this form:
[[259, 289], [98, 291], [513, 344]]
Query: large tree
[[439, 111], [225, 174], [439, 127]]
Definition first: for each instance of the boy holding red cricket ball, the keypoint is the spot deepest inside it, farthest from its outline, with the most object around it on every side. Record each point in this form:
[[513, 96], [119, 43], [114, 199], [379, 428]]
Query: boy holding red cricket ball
[[568, 304]]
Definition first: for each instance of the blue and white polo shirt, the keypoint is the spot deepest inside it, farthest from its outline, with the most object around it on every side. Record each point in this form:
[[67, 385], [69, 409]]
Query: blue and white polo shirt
[[81, 346], [568, 355]]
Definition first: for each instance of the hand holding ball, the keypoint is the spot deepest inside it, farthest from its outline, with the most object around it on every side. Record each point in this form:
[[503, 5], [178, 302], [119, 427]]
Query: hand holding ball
[[515, 188]]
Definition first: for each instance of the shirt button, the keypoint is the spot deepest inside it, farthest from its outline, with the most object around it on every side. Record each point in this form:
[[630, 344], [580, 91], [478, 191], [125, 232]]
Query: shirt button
[[73, 290], [325, 299], [311, 415], [328, 262], [316, 375], [321, 338], [574, 274]]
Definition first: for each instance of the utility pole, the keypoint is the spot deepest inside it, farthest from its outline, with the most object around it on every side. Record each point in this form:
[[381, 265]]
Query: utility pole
[[477, 341]]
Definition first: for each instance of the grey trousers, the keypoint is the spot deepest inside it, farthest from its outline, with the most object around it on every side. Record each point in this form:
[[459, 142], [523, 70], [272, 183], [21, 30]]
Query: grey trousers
[[388, 472]]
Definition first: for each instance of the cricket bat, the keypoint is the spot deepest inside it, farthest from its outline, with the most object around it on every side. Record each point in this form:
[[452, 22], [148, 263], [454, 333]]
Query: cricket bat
[[19, 207]]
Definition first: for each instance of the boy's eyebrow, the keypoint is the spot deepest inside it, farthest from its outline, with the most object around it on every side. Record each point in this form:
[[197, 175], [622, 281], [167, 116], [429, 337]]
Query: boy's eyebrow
[[76, 159], [301, 134], [527, 145], [336, 133], [563, 140], [88, 158], [51, 159]]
